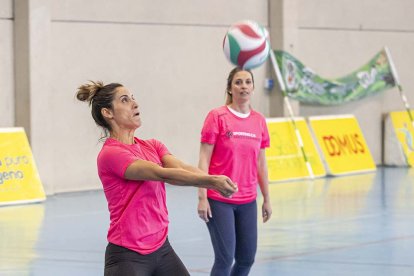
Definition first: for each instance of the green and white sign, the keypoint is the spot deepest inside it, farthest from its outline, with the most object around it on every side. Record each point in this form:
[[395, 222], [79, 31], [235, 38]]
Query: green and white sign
[[303, 85]]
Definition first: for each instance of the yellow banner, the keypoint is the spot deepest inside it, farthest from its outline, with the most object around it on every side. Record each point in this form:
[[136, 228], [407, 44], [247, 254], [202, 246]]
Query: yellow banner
[[342, 144], [19, 179], [405, 133], [284, 157]]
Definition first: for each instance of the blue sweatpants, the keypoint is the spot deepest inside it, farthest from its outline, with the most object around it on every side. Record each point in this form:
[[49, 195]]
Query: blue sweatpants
[[233, 232]]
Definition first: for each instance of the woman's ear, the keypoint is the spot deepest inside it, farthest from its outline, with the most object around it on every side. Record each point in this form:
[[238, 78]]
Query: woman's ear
[[107, 113]]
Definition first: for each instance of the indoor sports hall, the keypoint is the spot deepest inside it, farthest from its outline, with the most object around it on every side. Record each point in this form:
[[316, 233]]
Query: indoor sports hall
[[331, 78]]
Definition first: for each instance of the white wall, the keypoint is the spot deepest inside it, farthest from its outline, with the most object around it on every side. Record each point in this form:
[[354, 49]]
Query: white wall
[[169, 53], [6, 61]]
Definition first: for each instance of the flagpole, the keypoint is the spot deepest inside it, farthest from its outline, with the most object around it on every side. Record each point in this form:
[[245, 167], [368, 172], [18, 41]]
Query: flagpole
[[397, 82], [290, 110]]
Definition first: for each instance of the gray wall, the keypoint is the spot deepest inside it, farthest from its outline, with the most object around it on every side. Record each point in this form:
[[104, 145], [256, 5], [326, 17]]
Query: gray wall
[[6, 61], [169, 54], [337, 37]]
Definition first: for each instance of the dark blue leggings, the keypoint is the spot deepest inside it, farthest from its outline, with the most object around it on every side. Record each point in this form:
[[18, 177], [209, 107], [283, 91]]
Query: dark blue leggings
[[233, 232]]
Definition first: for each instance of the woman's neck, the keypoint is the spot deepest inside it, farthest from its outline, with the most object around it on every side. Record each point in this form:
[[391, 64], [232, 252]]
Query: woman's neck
[[123, 137], [241, 107]]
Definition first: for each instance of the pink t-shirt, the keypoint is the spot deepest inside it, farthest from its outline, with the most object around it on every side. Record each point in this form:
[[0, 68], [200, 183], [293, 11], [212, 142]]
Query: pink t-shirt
[[138, 210], [237, 142]]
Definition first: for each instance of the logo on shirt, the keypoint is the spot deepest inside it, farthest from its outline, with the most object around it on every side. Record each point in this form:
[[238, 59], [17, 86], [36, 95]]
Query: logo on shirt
[[244, 134], [240, 134]]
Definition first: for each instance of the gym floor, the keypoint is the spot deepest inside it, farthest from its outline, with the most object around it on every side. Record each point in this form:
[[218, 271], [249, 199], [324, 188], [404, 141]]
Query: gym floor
[[350, 225]]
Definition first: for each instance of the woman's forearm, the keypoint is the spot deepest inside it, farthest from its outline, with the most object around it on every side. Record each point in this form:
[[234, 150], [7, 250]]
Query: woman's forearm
[[263, 176], [182, 177], [264, 187], [203, 164], [145, 170]]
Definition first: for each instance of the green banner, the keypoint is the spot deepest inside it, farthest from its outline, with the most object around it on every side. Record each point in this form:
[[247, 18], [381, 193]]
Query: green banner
[[303, 85]]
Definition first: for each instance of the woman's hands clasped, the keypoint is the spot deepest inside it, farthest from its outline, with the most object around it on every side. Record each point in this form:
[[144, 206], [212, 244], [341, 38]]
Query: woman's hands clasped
[[224, 185]]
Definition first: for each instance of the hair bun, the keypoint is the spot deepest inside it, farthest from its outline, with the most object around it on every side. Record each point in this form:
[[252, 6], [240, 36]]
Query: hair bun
[[87, 91]]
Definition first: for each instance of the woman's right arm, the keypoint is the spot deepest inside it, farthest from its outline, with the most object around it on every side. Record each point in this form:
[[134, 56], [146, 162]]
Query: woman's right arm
[[145, 170], [203, 209]]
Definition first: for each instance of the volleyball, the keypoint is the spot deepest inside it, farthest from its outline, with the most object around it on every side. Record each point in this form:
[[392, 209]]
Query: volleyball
[[246, 44]]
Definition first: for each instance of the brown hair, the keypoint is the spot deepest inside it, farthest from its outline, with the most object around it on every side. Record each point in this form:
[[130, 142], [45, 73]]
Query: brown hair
[[98, 96], [233, 72]]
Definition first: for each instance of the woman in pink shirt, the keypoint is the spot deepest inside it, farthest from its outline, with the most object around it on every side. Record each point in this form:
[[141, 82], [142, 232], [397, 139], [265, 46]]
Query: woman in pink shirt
[[133, 172], [233, 142]]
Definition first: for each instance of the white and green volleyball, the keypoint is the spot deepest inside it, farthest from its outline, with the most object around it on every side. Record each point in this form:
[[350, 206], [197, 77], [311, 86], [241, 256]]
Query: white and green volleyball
[[246, 44]]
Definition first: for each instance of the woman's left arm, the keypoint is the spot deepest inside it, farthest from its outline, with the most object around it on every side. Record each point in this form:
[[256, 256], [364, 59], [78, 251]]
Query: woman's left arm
[[264, 185], [170, 161]]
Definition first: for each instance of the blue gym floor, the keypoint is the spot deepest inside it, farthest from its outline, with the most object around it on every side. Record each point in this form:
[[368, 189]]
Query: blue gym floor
[[350, 225]]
